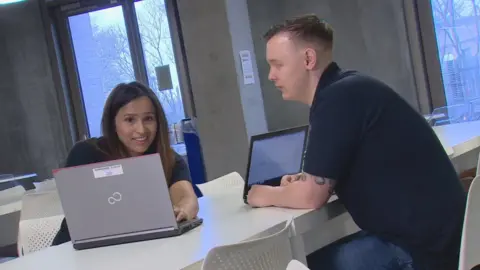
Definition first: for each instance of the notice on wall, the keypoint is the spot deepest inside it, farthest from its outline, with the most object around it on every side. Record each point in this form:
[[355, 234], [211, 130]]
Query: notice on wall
[[247, 67]]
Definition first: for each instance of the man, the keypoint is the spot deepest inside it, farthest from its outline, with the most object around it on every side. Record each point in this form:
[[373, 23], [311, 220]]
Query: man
[[375, 151]]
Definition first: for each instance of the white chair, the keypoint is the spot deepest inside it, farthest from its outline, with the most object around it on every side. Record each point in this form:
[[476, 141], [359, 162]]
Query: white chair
[[470, 245], [11, 200], [47, 185], [273, 252], [478, 166], [12, 194], [10, 206], [296, 265], [40, 221], [221, 184]]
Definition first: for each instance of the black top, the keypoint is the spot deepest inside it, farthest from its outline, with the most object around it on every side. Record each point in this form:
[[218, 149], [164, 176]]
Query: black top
[[393, 175], [87, 152]]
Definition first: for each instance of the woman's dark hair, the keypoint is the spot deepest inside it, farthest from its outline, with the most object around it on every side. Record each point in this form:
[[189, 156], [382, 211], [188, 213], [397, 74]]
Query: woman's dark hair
[[120, 96]]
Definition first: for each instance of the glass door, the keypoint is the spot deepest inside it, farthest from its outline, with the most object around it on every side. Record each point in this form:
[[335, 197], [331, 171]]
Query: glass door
[[457, 30], [161, 68], [103, 59]]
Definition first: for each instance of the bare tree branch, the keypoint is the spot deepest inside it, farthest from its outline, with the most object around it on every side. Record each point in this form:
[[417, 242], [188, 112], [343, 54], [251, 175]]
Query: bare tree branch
[[114, 50]]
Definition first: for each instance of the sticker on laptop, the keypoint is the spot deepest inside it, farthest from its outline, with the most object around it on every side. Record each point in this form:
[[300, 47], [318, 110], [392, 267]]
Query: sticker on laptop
[[108, 171]]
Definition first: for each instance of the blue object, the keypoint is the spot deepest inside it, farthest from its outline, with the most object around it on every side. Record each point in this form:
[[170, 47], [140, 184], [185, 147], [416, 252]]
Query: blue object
[[194, 154], [361, 251]]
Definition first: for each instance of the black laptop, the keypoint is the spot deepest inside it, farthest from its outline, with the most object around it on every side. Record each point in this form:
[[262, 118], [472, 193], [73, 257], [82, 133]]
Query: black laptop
[[273, 155]]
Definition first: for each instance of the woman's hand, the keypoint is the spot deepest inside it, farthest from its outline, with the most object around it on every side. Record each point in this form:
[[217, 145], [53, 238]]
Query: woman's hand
[[184, 213], [185, 202]]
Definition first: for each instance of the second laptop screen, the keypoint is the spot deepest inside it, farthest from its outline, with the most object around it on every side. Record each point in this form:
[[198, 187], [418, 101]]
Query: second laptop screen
[[275, 157]]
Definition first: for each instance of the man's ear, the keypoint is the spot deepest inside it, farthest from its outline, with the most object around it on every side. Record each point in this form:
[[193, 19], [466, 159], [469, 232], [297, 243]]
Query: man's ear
[[310, 58]]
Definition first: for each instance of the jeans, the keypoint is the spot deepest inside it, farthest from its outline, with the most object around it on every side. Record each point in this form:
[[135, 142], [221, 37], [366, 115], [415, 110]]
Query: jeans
[[360, 251]]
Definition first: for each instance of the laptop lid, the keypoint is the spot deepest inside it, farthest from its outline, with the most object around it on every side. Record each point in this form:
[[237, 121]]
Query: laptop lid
[[115, 197], [273, 155]]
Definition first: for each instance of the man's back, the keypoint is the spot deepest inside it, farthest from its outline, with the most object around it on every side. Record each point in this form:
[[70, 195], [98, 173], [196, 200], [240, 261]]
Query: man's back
[[397, 181]]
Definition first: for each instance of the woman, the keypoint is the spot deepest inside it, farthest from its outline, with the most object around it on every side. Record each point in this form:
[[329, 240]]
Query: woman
[[134, 124]]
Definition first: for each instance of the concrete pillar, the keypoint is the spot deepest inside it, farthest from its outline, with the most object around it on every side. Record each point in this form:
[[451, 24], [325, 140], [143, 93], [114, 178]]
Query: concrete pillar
[[32, 137], [228, 111]]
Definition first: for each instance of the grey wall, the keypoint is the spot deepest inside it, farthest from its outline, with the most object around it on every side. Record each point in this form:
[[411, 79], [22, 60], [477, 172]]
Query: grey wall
[[31, 135], [280, 114], [370, 36], [223, 105], [251, 94]]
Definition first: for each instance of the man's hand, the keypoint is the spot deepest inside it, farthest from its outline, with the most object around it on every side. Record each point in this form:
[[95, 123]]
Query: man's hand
[[260, 196], [302, 191], [288, 179]]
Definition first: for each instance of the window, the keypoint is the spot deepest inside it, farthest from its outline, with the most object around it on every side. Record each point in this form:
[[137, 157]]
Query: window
[[457, 31], [159, 58], [108, 43], [102, 55]]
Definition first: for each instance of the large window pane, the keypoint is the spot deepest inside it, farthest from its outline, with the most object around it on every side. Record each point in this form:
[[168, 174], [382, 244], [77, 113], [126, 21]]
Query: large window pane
[[159, 56], [457, 27], [103, 58]]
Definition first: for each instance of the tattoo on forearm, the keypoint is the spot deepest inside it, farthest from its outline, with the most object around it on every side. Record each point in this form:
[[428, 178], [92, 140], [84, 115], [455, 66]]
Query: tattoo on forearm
[[321, 181]]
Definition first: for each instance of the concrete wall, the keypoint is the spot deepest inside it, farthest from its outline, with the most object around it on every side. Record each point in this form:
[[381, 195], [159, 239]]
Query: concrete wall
[[228, 112], [31, 135], [280, 114], [250, 93], [370, 36]]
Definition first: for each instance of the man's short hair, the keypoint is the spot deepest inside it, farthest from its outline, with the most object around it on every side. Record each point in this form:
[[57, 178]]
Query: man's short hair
[[307, 28]]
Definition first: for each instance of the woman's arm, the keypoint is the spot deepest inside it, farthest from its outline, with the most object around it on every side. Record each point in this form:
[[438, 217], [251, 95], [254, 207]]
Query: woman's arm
[[184, 200], [183, 196]]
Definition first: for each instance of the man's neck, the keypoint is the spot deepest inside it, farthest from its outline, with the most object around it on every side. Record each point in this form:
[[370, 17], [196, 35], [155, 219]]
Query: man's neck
[[314, 79]]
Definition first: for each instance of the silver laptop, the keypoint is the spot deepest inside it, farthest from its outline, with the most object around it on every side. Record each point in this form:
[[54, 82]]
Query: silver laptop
[[117, 202]]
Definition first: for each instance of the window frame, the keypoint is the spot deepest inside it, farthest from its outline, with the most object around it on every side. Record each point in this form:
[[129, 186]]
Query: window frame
[[56, 15], [433, 71]]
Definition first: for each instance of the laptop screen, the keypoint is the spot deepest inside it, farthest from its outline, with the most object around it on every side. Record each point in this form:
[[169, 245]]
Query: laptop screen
[[275, 157]]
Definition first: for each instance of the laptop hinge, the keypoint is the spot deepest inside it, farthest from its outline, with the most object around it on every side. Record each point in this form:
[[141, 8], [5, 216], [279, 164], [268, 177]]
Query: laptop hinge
[[125, 235]]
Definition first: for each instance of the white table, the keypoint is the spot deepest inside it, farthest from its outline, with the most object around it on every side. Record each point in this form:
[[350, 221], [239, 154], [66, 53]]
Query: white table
[[459, 138], [461, 142], [226, 220]]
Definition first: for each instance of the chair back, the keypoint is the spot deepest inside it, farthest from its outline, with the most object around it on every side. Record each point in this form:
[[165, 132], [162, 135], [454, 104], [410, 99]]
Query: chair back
[[40, 221], [478, 166], [221, 184], [470, 245], [11, 194], [273, 252], [296, 265]]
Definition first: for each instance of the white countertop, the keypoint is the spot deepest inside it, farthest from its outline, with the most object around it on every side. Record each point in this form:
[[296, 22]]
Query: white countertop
[[458, 139], [227, 220]]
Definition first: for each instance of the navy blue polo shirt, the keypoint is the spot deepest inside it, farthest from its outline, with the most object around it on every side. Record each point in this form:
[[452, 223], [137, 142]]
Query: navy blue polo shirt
[[392, 173]]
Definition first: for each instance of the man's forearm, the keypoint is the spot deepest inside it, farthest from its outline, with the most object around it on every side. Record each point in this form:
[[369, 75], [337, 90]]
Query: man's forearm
[[294, 196]]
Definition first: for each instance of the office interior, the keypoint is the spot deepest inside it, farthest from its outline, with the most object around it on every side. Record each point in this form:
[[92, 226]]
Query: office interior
[[60, 58]]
